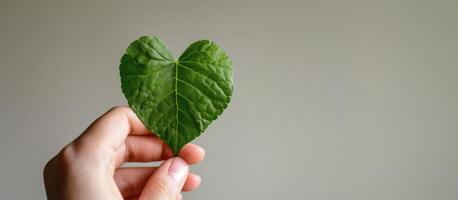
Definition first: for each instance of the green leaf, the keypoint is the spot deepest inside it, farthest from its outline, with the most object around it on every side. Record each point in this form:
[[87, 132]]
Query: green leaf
[[176, 99]]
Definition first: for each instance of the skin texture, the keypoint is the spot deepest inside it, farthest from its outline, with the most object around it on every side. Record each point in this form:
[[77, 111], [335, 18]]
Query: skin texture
[[89, 168]]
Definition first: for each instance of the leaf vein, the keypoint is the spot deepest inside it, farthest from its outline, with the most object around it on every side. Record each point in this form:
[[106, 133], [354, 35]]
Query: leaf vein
[[164, 113], [197, 89], [201, 74]]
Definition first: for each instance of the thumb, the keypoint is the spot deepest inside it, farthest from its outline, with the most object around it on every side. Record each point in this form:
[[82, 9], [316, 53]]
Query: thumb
[[167, 181]]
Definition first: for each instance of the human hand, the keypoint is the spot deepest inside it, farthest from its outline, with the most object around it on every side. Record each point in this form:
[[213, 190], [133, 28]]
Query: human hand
[[89, 168]]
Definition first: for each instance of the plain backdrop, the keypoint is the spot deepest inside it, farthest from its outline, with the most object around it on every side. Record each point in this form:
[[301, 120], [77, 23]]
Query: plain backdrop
[[334, 99]]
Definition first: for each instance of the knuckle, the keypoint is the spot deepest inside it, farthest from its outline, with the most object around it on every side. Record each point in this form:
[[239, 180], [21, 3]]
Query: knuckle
[[66, 156], [59, 164]]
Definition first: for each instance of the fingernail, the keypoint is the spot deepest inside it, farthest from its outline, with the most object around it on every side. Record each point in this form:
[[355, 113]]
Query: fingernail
[[178, 170]]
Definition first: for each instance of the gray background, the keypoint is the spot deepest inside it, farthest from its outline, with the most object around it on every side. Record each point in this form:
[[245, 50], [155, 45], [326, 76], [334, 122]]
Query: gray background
[[333, 99]]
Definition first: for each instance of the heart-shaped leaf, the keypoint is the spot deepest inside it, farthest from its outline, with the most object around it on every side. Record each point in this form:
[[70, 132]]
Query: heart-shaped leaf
[[176, 99]]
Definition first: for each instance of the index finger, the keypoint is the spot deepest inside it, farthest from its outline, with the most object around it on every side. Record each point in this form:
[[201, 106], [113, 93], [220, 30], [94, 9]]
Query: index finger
[[112, 128]]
